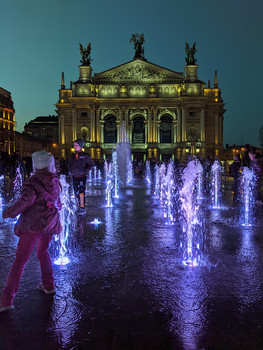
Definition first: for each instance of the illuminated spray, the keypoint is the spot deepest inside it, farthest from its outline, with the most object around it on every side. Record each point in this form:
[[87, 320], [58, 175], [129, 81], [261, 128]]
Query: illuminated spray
[[129, 170], [109, 183], [169, 186], [161, 192], [156, 180], [17, 189], [247, 198], [65, 218], [191, 226], [123, 150], [147, 172], [216, 191], [200, 180], [115, 173]]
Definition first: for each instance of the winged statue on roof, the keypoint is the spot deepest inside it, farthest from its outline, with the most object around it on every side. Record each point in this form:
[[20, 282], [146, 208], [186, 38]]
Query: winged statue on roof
[[190, 52], [138, 41], [85, 55]]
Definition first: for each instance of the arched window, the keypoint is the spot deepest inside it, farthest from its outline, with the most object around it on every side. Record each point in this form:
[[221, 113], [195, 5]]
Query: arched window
[[110, 129], [166, 129], [85, 134], [138, 132]]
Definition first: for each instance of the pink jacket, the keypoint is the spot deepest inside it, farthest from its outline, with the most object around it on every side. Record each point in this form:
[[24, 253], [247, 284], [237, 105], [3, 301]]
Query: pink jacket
[[39, 205]]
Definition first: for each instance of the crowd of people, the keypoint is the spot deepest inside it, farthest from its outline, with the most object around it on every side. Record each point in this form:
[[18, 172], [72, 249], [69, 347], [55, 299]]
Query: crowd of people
[[70, 167]]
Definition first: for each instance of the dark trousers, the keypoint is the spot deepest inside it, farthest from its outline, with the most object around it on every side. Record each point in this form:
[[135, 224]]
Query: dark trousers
[[79, 184]]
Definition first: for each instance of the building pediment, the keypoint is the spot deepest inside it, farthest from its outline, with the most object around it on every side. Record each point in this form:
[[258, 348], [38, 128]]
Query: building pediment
[[138, 71]]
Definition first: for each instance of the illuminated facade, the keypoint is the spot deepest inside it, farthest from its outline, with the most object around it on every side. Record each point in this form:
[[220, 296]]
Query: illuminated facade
[[164, 113], [7, 122]]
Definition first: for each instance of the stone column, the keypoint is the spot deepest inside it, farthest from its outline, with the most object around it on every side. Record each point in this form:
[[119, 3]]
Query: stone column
[[130, 132], [102, 131], [62, 129], [179, 125], [158, 131], [216, 128], [122, 131], [118, 131], [74, 125], [92, 125], [145, 131], [183, 125], [98, 139], [174, 136], [126, 116], [154, 125], [202, 125], [149, 127]]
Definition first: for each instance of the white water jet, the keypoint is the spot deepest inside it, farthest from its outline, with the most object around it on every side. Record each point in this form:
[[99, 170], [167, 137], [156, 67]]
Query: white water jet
[[123, 150], [200, 180], [65, 219], [216, 179], [247, 199], [190, 223], [169, 187], [147, 172]]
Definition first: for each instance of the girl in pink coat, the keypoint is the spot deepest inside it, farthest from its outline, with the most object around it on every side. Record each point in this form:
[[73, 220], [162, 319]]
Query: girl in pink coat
[[39, 207]]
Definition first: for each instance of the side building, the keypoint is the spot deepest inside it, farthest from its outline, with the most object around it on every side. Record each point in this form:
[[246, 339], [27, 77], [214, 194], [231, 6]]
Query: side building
[[162, 113], [43, 127], [7, 122]]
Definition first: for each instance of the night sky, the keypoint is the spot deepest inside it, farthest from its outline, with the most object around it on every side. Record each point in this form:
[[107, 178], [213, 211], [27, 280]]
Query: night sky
[[39, 40]]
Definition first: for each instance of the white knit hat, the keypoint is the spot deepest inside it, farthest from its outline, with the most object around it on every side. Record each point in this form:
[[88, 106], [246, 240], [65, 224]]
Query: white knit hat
[[43, 159]]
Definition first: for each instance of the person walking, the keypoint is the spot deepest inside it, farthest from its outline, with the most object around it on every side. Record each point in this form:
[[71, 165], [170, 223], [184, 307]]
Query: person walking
[[79, 165], [235, 173], [256, 165], [39, 207]]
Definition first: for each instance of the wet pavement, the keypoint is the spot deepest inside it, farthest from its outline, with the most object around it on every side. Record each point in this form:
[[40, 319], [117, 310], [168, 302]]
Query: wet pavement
[[126, 287]]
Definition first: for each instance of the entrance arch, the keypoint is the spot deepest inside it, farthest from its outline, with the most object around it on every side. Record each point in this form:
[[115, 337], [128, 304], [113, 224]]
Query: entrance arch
[[166, 129], [110, 129], [138, 130]]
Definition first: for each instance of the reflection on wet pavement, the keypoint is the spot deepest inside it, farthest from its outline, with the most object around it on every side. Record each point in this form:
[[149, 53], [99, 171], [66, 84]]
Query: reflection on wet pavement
[[126, 287]]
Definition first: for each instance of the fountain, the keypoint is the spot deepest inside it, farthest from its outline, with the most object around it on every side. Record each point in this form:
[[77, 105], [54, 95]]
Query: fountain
[[17, 188], [247, 198], [123, 150], [200, 180], [156, 180], [191, 226], [216, 191], [129, 170], [161, 182], [147, 172], [115, 173], [65, 218], [169, 185]]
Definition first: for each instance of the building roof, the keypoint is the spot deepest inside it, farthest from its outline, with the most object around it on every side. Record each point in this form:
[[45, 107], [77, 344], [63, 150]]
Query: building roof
[[51, 119]]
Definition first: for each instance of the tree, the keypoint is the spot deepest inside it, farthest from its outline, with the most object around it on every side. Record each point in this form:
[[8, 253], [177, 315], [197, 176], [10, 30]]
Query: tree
[[260, 136]]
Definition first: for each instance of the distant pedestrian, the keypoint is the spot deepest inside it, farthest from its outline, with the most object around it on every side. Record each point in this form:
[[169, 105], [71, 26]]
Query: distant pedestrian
[[39, 207], [256, 165], [79, 165], [235, 173]]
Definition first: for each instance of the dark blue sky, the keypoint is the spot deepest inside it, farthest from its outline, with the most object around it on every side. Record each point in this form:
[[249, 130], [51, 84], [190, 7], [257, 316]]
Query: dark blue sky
[[39, 40]]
